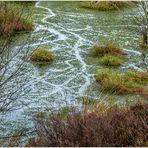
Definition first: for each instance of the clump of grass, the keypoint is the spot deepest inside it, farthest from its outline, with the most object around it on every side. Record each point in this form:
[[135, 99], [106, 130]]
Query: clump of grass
[[104, 6], [110, 48], [42, 55], [143, 45], [114, 127], [12, 20], [111, 61], [86, 101], [139, 77], [113, 82]]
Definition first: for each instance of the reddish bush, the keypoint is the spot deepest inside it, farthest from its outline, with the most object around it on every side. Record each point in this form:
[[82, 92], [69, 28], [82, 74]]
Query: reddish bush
[[12, 20], [116, 127]]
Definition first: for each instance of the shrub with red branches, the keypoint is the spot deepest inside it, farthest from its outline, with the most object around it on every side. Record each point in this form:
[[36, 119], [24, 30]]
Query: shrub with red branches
[[115, 127], [12, 19]]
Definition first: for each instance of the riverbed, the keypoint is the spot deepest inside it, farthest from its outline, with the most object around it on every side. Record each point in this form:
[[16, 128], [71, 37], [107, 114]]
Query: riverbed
[[70, 31]]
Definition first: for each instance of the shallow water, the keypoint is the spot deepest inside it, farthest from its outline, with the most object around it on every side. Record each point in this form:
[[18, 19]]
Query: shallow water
[[70, 31]]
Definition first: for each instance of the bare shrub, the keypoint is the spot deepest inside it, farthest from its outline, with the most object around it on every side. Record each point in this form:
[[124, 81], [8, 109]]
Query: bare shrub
[[115, 127]]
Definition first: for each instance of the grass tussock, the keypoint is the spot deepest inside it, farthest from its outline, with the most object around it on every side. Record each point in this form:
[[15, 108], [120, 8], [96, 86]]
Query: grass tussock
[[137, 76], [12, 20], [111, 61], [42, 55], [110, 48], [114, 127], [105, 5], [143, 45], [128, 83]]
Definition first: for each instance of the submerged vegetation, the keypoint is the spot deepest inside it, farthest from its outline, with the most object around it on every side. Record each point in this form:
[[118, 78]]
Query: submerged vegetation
[[108, 127], [105, 5], [128, 83], [42, 56]]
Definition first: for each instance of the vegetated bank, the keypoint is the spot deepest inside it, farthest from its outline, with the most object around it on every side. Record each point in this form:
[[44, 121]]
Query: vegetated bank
[[13, 19], [106, 126]]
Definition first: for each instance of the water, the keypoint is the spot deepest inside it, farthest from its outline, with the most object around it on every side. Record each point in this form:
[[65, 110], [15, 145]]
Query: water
[[70, 31]]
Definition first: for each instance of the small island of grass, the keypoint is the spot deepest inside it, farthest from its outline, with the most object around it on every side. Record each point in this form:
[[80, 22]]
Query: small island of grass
[[106, 5], [129, 83], [111, 61], [42, 56], [110, 48]]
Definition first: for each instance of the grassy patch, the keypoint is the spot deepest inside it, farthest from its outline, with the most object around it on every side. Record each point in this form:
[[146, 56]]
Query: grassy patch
[[143, 45], [110, 48], [42, 55], [12, 20], [113, 82], [86, 101], [137, 76], [111, 61], [105, 6]]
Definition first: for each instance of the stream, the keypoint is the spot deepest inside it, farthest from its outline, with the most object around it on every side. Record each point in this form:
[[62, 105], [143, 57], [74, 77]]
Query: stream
[[70, 31]]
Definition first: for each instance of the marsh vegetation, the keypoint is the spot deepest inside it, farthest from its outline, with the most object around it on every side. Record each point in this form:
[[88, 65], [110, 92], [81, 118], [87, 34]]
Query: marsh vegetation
[[92, 77]]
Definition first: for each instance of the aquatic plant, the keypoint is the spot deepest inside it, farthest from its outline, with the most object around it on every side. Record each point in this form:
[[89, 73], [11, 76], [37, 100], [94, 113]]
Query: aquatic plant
[[128, 83], [111, 61], [42, 55], [114, 127], [139, 77], [110, 48], [105, 5], [143, 45]]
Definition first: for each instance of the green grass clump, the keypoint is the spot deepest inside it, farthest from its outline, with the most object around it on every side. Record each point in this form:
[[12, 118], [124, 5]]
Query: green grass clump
[[110, 48], [113, 82], [42, 55], [143, 45], [137, 76], [111, 61], [104, 5], [27, 24]]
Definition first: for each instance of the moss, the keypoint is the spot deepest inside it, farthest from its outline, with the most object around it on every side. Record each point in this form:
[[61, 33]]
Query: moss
[[105, 5], [111, 61], [42, 55], [113, 82], [110, 48]]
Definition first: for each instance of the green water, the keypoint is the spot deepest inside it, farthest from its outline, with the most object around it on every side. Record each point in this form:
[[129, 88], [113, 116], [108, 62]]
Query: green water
[[70, 31]]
